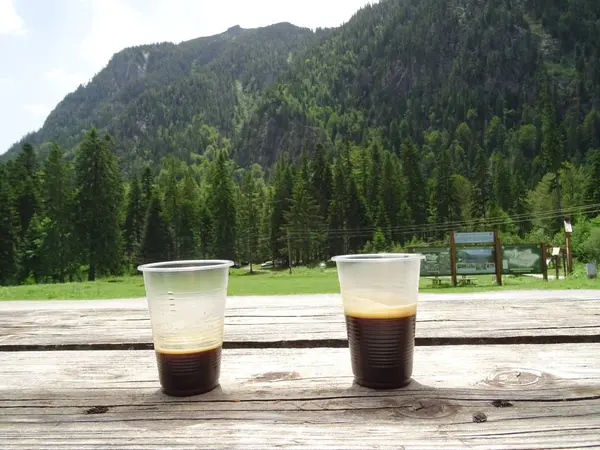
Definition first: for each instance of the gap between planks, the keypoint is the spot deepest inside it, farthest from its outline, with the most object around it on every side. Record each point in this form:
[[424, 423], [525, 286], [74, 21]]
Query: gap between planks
[[318, 343]]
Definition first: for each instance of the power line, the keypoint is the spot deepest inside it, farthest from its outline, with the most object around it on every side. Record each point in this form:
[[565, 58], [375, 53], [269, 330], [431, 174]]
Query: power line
[[435, 227]]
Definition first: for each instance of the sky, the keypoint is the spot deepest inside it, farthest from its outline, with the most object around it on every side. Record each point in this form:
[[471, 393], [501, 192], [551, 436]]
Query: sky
[[49, 47]]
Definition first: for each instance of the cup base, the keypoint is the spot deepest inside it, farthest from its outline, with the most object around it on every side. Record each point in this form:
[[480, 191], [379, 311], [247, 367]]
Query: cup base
[[189, 392], [382, 386]]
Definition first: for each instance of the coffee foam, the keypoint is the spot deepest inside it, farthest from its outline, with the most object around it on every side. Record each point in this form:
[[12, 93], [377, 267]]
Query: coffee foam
[[399, 312], [185, 351], [377, 306]]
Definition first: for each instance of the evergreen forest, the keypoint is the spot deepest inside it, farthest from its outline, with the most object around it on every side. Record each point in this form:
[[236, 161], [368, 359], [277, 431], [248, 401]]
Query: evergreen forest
[[285, 144]]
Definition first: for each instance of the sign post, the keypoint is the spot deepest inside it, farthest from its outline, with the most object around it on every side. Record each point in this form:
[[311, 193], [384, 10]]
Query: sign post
[[498, 258], [568, 231], [555, 258], [545, 261]]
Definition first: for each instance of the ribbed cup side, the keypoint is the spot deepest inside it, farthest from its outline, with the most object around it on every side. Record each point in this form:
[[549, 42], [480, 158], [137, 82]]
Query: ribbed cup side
[[190, 373], [381, 350]]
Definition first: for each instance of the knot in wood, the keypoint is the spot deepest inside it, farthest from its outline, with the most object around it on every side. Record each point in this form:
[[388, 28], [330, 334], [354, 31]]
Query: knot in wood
[[479, 417], [517, 378], [276, 376], [425, 409]]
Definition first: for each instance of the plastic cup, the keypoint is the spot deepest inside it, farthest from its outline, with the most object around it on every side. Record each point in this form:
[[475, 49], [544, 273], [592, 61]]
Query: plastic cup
[[186, 300], [379, 295]]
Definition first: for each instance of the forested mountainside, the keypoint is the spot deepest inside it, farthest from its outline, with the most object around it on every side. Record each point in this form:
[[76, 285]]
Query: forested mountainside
[[415, 117], [150, 91], [397, 69], [406, 68]]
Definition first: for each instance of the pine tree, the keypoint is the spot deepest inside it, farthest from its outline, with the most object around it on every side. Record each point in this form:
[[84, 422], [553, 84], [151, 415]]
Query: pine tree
[[266, 211], [501, 183], [460, 210], [593, 180], [357, 218], [378, 244], [481, 187], [157, 242], [31, 249], [395, 137], [372, 196], [98, 201], [321, 187], [171, 203], [188, 225], [58, 249], [205, 228], [26, 187], [8, 234], [552, 151], [282, 193], [302, 219], [321, 179], [338, 208], [541, 200], [591, 131], [415, 184], [441, 193], [147, 186], [222, 208], [390, 197], [135, 217], [495, 135], [249, 218]]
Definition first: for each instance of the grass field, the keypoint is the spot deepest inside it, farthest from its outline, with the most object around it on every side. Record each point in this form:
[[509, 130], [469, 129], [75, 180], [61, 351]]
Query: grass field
[[301, 281]]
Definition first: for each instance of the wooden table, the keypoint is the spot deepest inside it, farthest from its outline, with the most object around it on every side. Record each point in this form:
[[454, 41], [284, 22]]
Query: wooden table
[[491, 371]]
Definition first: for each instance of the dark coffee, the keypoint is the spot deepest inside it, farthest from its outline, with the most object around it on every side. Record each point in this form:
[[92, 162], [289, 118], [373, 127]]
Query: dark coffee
[[182, 374], [381, 348]]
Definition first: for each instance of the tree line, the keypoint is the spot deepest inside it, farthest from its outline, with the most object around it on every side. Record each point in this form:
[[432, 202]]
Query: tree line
[[64, 219]]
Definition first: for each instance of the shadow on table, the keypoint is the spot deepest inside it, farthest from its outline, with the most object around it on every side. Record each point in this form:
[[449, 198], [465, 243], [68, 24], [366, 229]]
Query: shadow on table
[[415, 400]]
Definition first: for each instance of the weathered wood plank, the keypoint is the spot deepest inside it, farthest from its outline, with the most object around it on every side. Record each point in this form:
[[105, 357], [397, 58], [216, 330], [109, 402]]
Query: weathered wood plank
[[286, 320], [534, 396]]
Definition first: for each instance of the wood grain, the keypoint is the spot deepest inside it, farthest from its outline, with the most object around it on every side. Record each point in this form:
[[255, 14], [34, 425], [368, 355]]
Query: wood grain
[[533, 396], [292, 320]]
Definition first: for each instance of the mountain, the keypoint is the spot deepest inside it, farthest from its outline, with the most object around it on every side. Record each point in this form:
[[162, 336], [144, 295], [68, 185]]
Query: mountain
[[148, 88], [398, 69], [403, 67], [414, 118]]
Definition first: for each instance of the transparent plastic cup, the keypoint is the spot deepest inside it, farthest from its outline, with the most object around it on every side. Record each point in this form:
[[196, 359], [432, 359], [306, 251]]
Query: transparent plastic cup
[[186, 300], [380, 294]]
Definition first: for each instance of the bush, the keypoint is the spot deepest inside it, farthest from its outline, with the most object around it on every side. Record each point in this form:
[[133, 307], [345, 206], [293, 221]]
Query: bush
[[590, 249], [377, 245]]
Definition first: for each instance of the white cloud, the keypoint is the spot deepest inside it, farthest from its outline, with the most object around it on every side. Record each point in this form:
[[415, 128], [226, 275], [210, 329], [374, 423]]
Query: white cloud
[[6, 82], [117, 24], [64, 77], [11, 23], [37, 110]]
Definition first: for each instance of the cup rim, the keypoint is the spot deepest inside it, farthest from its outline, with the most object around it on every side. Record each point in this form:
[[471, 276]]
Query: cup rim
[[378, 257], [193, 265]]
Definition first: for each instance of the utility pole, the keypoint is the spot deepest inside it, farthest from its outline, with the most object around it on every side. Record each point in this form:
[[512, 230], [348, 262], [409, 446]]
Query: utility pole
[[453, 258], [249, 252], [289, 242]]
